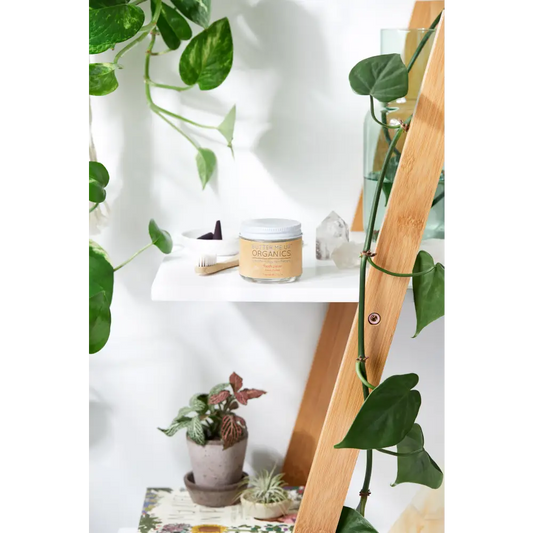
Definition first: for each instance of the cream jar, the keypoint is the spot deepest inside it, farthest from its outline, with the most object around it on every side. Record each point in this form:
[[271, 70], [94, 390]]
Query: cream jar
[[270, 250]]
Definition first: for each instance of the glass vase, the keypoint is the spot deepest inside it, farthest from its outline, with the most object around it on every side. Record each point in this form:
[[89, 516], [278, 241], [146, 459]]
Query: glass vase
[[377, 138]]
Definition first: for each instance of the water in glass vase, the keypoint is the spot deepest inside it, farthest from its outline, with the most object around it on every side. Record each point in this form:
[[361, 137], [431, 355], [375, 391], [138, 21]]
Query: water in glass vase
[[435, 224]]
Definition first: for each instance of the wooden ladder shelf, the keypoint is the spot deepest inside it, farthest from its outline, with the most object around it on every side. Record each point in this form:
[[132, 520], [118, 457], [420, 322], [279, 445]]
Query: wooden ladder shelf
[[334, 394]]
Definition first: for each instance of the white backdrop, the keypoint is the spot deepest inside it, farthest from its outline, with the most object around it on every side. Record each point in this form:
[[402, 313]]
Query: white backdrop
[[298, 154]]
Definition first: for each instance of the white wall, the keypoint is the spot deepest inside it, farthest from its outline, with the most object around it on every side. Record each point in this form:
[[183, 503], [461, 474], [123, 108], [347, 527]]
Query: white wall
[[298, 148]]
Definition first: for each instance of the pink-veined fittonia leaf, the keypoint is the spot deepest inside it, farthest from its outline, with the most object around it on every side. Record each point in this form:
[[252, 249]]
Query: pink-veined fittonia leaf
[[230, 431], [248, 394], [218, 398], [235, 381]]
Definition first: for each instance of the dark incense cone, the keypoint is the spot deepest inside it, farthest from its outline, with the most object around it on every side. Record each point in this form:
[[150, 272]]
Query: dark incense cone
[[206, 237], [217, 236]]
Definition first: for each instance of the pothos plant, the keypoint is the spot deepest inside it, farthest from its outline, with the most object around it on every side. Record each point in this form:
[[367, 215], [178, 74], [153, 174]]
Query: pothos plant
[[212, 416], [101, 270], [206, 60], [388, 415]]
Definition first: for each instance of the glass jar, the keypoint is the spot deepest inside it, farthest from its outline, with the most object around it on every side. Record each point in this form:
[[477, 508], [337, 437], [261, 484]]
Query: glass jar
[[270, 250], [377, 138]]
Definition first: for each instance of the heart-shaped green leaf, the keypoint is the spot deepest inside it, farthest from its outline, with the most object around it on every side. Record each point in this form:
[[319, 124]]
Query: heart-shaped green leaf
[[101, 273], [206, 161], [428, 291], [386, 416], [417, 468], [384, 77], [113, 24], [160, 237], [99, 321], [98, 179], [172, 26], [102, 79], [199, 11], [227, 126], [353, 522], [208, 57]]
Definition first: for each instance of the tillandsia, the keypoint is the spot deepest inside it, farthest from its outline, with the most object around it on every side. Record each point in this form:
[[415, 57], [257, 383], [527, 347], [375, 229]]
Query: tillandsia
[[388, 415], [206, 61], [101, 271], [265, 487], [211, 416]]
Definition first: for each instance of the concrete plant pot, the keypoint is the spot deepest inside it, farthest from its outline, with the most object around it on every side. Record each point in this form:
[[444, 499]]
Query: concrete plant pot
[[213, 466], [265, 511]]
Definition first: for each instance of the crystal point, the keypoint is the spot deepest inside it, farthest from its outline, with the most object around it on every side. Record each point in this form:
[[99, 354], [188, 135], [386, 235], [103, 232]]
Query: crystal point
[[347, 255], [330, 234]]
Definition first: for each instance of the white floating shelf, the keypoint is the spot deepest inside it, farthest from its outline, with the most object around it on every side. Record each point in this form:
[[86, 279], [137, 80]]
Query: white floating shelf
[[321, 281]]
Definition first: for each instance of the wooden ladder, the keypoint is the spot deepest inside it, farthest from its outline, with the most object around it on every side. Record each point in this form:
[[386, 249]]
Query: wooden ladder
[[333, 394]]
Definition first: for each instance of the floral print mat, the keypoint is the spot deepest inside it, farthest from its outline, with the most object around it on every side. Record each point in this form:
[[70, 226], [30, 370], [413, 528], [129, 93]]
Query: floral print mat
[[172, 511]]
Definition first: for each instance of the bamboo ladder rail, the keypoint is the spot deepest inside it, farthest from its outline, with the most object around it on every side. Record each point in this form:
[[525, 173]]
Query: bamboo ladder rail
[[398, 244], [333, 339]]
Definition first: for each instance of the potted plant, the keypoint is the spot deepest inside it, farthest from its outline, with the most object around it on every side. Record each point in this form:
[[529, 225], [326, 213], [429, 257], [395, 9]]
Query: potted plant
[[216, 439], [264, 497]]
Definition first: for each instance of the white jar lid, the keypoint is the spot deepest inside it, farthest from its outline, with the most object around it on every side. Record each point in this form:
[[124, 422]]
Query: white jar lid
[[271, 229]]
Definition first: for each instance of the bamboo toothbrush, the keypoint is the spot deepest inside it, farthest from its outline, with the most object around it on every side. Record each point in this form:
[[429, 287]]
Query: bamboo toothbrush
[[207, 264]]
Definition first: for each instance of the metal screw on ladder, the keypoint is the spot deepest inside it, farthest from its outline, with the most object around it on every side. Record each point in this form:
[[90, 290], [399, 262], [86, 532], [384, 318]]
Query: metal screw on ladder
[[374, 319]]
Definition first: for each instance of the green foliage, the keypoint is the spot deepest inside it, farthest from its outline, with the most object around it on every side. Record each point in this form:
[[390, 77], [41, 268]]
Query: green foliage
[[173, 27], [148, 523], [227, 126], [98, 179], [212, 414], [206, 161], [101, 279], [428, 291], [208, 58], [383, 77], [102, 79], [199, 11], [416, 467], [386, 416], [160, 238], [113, 24], [352, 521], [265, 487]]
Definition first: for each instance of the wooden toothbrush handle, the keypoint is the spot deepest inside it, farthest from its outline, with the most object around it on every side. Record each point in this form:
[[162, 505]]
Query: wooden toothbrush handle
[[204, 271]]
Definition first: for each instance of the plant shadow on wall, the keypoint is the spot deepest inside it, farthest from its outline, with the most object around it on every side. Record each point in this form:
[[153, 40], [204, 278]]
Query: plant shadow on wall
[[283, 38]]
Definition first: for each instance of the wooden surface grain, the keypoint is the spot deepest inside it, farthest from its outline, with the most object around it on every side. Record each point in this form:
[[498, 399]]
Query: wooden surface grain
[[396, 249]]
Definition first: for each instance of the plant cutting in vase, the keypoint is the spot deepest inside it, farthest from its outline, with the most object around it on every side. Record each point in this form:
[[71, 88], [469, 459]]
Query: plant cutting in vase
[[206, 61], [388, 415], [216, 436], [264, 497]]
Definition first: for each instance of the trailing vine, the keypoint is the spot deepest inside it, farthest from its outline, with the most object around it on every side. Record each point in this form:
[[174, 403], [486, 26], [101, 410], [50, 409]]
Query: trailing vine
[[206, 61], [387, 416]]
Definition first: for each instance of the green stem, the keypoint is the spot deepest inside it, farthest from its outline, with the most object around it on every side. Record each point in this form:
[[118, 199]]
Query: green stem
[[155, 108], [437, 199], [383, 124], [362, 377], [163, 52], [424, 40], [132, 257], [93, 208], [366, 484], [398, 454], [145, 30], [171, 87], [397, 275], [179, 117]]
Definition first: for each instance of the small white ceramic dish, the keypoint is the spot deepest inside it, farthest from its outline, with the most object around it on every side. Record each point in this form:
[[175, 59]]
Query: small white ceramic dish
[[225, 247], [265, 511]]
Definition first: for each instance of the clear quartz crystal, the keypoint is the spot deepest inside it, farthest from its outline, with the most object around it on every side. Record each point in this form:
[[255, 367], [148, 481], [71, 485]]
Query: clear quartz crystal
[[331, 233], [347, 255]]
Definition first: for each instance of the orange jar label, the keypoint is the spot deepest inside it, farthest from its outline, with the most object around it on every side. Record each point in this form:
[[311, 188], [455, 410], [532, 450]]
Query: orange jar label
[[270, 260]]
